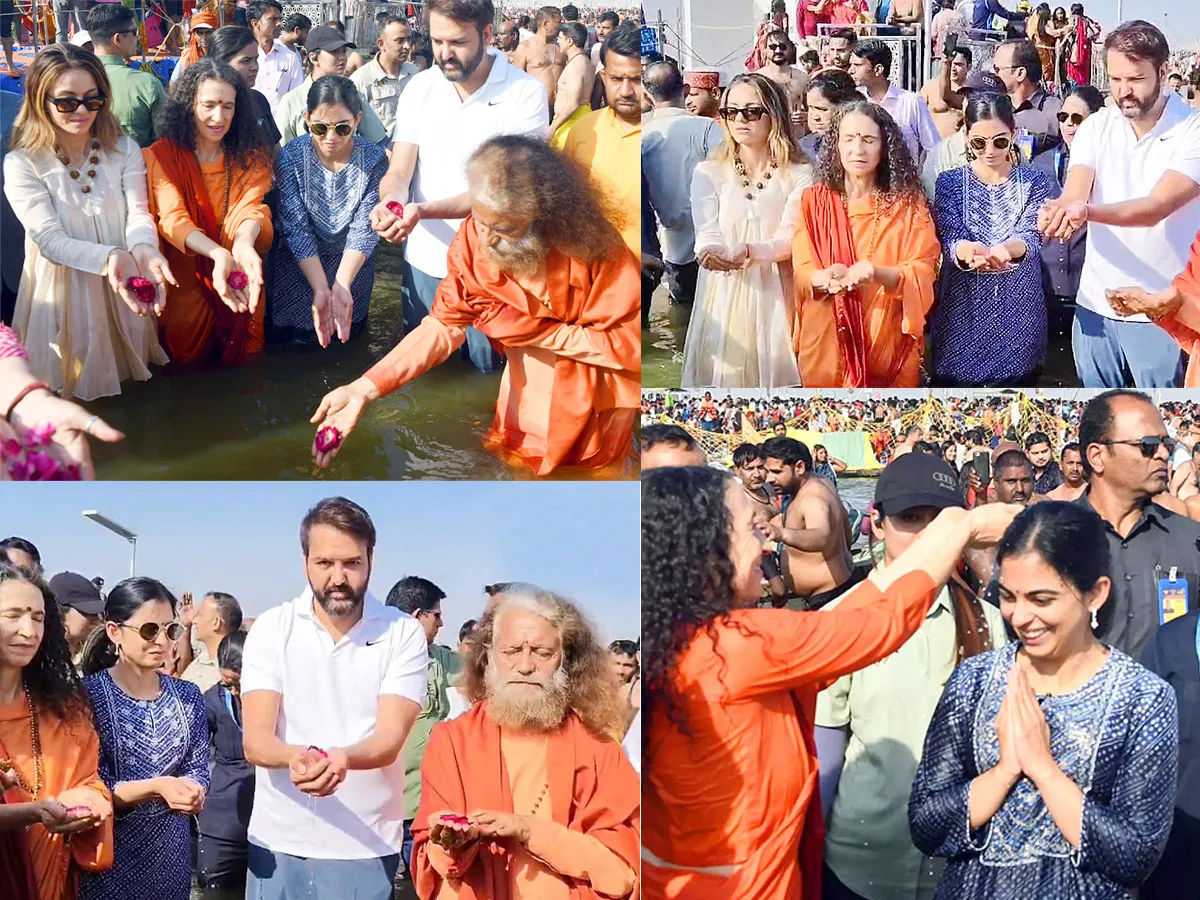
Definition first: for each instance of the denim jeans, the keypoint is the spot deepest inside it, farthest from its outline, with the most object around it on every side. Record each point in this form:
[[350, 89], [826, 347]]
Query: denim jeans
[[277, 876], [1110, 353], [419, 290]]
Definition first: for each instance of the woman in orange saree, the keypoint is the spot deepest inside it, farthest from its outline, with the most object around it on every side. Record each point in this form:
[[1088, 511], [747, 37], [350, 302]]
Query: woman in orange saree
[[55, 812], [864, 259], [209, 175]]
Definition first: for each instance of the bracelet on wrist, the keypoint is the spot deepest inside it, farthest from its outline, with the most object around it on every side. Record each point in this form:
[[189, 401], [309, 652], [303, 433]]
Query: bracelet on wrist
[[22, 394]]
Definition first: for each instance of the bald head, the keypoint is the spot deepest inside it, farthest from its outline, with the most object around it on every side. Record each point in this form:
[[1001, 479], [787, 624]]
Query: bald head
[[664, 83]]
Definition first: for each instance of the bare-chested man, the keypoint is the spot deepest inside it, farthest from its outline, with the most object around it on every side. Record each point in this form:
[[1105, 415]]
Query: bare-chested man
[[794, 81], [572, 97], [749, 465], [508, 36], [908, 14], [813, 530], [947, 118], [540, 56], [912, 435], [1074, 479]]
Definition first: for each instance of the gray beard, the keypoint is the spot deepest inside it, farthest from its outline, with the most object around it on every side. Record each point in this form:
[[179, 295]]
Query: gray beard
[[520, 258], [544, 711]]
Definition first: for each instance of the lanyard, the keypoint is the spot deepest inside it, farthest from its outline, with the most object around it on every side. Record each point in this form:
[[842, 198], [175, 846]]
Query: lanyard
[[228, 697], [1198, 640]]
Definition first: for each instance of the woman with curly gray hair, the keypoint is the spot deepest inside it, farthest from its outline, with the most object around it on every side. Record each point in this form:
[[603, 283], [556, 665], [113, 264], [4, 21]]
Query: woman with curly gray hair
[[864, 258]]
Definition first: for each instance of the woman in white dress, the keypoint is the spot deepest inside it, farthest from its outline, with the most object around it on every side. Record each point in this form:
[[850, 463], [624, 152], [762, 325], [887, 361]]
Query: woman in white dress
[[744, 204], [79, 187]]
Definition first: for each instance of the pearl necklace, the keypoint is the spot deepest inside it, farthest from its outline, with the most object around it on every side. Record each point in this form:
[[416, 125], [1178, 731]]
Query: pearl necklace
[[92, 206]]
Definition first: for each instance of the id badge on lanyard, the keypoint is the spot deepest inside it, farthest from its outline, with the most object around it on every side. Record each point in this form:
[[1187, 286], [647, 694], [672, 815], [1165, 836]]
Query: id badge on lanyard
[[1172, 596]]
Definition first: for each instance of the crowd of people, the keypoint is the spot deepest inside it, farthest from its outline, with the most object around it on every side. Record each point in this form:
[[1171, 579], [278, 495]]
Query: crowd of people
[[151, 747], [153, 230], [821, 224], [999, 700]]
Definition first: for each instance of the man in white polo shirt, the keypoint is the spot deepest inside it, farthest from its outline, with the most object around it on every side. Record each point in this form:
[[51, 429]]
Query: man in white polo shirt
[[1134, 178], [472, 94], [331, 685]]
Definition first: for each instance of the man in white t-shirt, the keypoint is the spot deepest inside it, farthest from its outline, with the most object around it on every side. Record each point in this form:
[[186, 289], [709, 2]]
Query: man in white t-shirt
[[332, 683], [1134, 179], [470, 95]]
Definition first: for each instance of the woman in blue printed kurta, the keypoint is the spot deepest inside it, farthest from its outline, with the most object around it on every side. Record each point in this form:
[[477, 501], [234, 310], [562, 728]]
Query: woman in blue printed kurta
[[322, 268], [990, 792], [154, 746], [989, 322]]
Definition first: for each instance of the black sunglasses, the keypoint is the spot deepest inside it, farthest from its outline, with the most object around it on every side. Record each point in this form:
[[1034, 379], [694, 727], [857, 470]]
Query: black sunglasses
[[70, 104], [1148, 445], [149, 631], [343, 129], [1074, 118], [979, 144], [748, 113]]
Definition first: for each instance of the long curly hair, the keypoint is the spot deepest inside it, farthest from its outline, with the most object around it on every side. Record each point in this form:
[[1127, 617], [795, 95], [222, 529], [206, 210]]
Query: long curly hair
[[50, 676], [897, 176], [687, 576], [522, 176], [244, 144], [591, 684], [781, 141]]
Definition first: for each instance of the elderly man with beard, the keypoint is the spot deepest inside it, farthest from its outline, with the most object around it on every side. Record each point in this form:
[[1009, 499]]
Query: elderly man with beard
[[331, 685], [527, 794], [538, 269], [443, 116]]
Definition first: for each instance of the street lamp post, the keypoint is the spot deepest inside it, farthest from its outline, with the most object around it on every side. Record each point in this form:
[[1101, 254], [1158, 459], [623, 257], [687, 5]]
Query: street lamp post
[[117, 529]]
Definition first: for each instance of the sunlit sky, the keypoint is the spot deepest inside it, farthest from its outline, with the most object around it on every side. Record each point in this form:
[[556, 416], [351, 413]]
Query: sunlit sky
[[579, 539]]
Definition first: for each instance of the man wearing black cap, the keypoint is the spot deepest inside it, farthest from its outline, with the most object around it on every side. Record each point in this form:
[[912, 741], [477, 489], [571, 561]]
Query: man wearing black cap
[[81, 606], [327, 49], [952, 152], [813, 530]]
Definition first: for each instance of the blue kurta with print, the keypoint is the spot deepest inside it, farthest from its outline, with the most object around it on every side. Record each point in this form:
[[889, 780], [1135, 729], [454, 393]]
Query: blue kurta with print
[[322, 214], [989, 328], [141, 739], [1116, 737]]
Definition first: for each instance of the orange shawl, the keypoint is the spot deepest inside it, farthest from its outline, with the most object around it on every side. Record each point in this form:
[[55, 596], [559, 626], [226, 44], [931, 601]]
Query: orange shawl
[[463, 770], [1184, 323], [602, 297], [191, 52]]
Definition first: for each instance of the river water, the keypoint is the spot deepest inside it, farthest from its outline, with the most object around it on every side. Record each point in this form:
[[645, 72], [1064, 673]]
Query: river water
[[251, 423], [662, 349]]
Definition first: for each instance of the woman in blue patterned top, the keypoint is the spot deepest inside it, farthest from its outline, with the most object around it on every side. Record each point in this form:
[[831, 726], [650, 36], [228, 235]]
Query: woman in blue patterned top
[[1049, 767], [320, 275], [989, 323], [154, 748]]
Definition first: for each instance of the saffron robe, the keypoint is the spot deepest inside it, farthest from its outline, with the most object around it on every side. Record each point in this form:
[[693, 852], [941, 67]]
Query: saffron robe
[[570, 393]]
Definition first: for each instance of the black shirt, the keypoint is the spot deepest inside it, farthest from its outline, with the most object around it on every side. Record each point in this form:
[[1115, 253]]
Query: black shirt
[[226, 812], [266, 121], [1160, 541], [1051, 477]]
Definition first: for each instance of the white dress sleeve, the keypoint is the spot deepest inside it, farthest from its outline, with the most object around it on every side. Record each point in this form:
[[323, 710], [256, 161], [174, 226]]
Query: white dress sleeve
[[34, 207], [706, 211], [140, 227]]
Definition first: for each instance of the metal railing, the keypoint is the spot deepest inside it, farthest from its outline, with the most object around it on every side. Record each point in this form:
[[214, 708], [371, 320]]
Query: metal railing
[[909, 51]]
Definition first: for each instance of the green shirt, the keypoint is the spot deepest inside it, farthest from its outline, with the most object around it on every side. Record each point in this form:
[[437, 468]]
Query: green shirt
[[888, 707], [445, 669], [289, 116], [135, 99]]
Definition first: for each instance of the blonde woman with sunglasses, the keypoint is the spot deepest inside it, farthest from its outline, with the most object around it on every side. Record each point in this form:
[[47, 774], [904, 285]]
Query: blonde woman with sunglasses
[[989, 322], [744, 204], [79, 188], [154, 745], [321, 272]]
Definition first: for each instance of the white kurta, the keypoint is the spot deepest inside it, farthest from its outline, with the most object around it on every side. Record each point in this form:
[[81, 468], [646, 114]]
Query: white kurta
[[740, 333], [81, 337]]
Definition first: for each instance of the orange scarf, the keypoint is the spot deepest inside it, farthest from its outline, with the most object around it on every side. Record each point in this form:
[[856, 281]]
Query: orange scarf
[[192, 51], [464, 770], [182, 170], [16, 870]]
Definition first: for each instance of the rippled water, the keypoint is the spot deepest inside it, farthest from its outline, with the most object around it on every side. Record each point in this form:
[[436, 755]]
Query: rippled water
[[251, 423], [662, 349]]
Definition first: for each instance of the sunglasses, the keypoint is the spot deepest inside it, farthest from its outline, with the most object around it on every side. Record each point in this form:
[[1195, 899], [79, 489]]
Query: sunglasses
[[748, 113], [343, 129], [1148, 445], [979, 144], [1074, 118], [149, 631], [70, 104]]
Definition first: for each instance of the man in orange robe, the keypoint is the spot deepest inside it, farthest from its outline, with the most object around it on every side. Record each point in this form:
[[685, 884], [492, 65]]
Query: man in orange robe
[[527, 795], [538, 269], [899, 244]]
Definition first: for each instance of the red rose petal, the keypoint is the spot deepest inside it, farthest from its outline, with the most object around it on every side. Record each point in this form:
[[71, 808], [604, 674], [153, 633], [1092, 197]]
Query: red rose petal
[[396, 209], [239, 281], [317, 750], [78, 811], [328, 438], [143, 288]]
